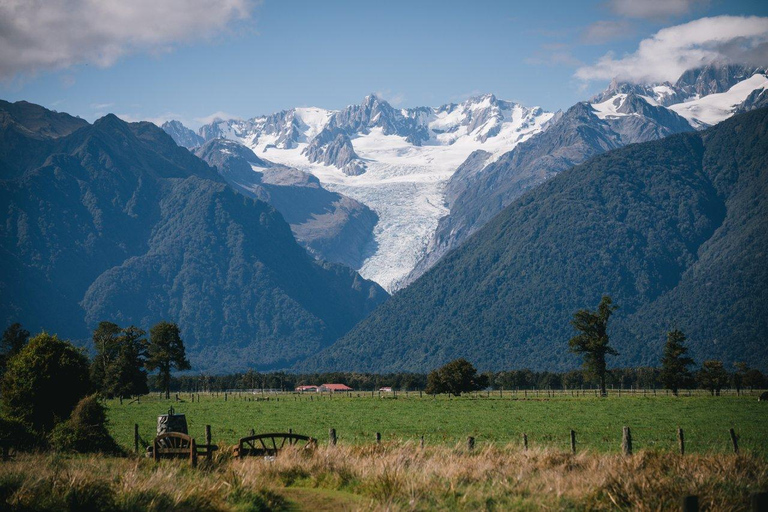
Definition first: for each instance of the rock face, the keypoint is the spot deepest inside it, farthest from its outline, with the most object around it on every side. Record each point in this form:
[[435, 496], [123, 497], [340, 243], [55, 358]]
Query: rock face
[[114, 221], [182, 135], [332, 147], [331, 226], [673, 230]]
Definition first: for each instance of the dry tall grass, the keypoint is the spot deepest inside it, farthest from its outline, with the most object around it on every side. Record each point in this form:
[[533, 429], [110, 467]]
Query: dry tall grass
[[397, 476]]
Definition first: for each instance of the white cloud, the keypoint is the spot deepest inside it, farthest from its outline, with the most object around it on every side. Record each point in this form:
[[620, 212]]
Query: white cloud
[[606, 30], [216, 116], [40, 35], [671, 51], [653, 9], [390, 97]]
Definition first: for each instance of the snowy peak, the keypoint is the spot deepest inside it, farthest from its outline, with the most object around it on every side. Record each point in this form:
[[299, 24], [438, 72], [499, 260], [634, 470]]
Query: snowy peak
[[703, 96], [283, 130], [714, 108], [714, 79], [375, 112], [481, 118], [182, 135]]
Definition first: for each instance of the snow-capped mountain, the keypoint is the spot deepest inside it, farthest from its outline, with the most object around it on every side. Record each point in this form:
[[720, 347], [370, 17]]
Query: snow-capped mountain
[[726, 88], [706, 111], [624, 113], [395, 161], [182, 135], [433, 176]]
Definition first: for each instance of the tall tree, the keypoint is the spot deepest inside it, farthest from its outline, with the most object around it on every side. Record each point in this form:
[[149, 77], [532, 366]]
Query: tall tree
[[674, 364], [14, 339], [592, 340], [125, 375], [713, 376], [166, 352], [456, 377]]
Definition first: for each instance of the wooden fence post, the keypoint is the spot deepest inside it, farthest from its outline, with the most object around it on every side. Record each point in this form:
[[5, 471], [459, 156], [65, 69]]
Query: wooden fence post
[[421, 443], [136, 437], [378, 437], [470, 443], [525, 441], [626, 441], [573, 441], [209, 452], [690, 504], [734, 441], [332, 436], [681, 440], [193, 453]]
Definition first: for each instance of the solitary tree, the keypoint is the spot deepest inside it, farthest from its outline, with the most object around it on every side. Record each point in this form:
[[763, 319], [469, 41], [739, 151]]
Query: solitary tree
[[166, 352], [592, 340], [44, 382], [456, 377], [713, 376], [674, 364], [14, 339]]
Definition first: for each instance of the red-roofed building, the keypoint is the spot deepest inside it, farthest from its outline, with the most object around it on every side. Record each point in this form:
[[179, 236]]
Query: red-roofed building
[[307, 389], [335, 388]]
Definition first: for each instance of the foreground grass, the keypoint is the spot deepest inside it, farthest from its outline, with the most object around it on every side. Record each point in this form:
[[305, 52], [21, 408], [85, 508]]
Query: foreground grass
[[491, 420], [391, 476]]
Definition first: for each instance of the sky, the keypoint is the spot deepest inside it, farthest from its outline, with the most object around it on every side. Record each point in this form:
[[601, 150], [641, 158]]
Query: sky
[[194, 60]]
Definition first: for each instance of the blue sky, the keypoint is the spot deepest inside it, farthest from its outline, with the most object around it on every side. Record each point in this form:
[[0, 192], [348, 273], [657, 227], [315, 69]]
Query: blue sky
[[247, 58]]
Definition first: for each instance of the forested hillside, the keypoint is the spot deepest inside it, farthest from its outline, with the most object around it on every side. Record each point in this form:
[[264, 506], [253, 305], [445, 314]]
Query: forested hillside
[[674, 230], [113, 221]]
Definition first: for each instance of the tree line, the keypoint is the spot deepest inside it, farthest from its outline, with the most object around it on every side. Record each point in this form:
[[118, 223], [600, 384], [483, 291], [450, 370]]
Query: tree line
[[51, 389]]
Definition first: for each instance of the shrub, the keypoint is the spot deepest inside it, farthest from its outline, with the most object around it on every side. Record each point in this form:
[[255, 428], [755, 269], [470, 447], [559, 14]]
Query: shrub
[[20, 435], [44, 382], [85, 431]]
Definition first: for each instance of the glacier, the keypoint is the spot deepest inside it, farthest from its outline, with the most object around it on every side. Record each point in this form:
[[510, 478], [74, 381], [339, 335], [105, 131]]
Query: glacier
[[408, 155]]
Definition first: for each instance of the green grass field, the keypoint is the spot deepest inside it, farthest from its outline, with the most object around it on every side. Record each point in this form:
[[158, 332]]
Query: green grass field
[[598, 423]]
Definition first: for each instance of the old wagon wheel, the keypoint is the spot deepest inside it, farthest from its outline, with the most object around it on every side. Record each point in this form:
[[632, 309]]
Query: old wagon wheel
[[271, 444], [174, 445]]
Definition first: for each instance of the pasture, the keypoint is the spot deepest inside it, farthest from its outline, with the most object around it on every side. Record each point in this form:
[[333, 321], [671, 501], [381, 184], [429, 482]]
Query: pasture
[[445, 421]]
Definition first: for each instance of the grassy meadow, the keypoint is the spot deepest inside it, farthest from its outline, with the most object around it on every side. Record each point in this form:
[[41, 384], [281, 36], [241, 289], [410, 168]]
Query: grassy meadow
[[446, 421], [398, 474]]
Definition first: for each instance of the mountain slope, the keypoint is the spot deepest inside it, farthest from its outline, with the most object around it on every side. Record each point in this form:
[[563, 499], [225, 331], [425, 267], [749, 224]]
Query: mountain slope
[[114, 221], [624, 113], [674, 230], [581, 132], [182, 135], [329, 225]]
